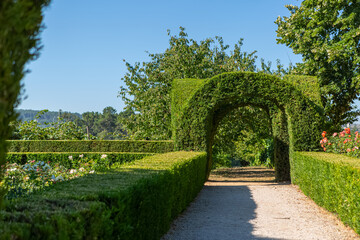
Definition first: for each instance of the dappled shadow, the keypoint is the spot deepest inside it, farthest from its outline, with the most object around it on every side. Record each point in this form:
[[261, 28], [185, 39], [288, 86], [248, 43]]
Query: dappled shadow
[[243, 175]]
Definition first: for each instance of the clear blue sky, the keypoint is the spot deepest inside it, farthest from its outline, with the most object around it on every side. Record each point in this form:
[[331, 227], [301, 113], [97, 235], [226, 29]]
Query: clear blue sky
[[80, 67]]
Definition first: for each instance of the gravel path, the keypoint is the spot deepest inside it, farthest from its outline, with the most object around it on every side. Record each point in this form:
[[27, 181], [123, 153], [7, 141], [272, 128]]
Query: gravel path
[[245, 203]]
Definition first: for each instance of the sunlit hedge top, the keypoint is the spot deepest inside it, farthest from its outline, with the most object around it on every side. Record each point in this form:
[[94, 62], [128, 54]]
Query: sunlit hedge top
[[197, 105]]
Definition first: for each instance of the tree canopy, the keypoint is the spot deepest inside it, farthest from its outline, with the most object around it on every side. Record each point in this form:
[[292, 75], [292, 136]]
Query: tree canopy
[[147, 84], [327, 35]]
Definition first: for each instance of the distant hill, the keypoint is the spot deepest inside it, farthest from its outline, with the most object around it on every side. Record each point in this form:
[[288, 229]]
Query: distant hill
[[50, 116]]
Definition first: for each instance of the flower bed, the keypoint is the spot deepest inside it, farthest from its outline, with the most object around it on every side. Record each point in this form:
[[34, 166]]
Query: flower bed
[[343, 142], [20, 180]]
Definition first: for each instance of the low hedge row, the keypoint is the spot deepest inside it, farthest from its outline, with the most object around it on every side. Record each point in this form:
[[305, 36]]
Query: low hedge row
[[135, 201], [90, 146], [68, 160], [332, 181]]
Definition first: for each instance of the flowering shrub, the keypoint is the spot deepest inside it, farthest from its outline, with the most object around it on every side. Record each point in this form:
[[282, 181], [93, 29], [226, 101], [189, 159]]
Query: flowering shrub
[[342, 142], [36, 175]]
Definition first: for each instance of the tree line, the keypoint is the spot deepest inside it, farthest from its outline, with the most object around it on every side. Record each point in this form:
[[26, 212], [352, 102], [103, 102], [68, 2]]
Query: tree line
[[42, 125]]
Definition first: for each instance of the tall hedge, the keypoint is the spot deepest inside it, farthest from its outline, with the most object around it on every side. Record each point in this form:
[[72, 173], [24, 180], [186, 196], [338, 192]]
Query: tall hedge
[[296, 115], [136, 201], [20, 23], [90, 146], [332, 181]]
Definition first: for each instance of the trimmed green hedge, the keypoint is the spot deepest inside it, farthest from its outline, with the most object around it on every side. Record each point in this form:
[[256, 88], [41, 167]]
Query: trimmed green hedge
[[135, 201], [90, 146], [332, 181], [294, 108], [64, 160]]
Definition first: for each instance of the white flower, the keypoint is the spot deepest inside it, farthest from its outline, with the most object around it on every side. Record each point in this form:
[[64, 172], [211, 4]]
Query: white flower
[[72, 171], [71, 157], [103, 156], [81, 155], [92, 171], [11, 169], [81, 169]]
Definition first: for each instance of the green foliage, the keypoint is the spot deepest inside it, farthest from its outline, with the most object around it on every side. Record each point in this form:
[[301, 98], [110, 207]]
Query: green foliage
[[20, 23], [46, 125], [136, 201], [106, 125], [23, 179], [57, 130], [243, 135], [90, 146], [343, 142], [148, 85], [296, 120], [72, 159], [332, 181], [46, 117], [326, 34]]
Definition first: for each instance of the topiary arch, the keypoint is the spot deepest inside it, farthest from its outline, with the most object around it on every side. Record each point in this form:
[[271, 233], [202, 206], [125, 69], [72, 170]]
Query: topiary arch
[[293, 104]]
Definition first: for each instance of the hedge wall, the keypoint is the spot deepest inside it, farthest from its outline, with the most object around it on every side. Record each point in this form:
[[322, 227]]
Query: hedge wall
[[64, 160], [136, 201], [332, 181], [90, 146], [199, 105]]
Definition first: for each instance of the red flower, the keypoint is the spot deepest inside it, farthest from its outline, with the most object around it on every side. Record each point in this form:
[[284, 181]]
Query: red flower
[[324, 149], [323, 134], [347, 130]]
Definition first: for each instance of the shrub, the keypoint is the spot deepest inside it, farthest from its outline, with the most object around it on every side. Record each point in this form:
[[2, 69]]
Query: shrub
[[135, 201], [72, 159], [332, 181], [343, 142], [296, 112], [90, 146]]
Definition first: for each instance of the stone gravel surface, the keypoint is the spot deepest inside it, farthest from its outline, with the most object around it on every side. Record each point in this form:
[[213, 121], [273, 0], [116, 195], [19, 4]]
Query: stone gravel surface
[[246, 203]]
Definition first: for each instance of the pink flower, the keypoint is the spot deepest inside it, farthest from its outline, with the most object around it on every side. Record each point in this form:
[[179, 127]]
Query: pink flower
[[335, 134], [348, 150]]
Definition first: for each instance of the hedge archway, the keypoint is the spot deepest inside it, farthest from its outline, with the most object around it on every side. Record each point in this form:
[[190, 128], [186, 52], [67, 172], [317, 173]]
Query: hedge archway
[[293, 104]]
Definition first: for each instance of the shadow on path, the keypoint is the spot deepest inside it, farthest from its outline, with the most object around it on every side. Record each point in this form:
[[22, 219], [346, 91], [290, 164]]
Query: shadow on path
[[221, 211], [247, 204]]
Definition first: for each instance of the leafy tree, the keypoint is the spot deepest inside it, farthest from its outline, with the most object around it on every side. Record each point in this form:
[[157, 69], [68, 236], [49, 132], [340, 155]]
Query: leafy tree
[[105, 125], [59, 130], [108, 120], [148, 84], [20, 22], [327, 35]]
